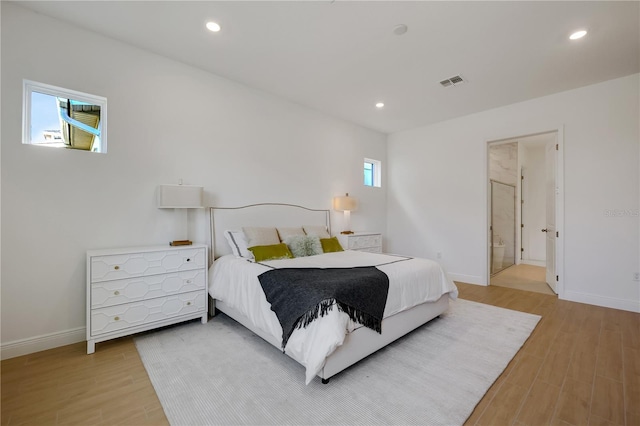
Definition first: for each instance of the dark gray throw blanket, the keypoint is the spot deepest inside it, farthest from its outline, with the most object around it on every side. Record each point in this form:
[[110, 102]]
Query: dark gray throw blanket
[[298, 296]]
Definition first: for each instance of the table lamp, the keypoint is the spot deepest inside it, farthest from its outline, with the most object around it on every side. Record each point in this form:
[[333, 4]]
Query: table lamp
[[345, 204], [180, 197]]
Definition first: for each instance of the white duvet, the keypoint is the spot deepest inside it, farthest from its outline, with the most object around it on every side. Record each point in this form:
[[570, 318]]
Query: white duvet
[[411, 282]]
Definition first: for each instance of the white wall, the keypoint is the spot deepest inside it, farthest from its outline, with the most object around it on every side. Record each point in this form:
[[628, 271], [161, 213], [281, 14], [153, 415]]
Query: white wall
[[166, 121], [437, 195]]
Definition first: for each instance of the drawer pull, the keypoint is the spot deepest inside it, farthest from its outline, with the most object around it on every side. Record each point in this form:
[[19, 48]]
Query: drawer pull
[[116, 292], [117, 318], [188, 303], [116, 267], [188, 259], [188, 281]]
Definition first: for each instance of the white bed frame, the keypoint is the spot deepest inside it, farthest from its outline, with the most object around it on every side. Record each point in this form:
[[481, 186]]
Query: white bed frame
[[358, 344]]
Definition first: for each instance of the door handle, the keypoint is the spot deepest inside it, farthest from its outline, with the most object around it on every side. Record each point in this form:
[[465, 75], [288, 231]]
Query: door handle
[[543, 230]]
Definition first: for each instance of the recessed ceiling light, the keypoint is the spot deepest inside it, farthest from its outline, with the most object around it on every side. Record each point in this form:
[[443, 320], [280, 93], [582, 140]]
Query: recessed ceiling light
[[379, 104], [578, 34], [212, 26]]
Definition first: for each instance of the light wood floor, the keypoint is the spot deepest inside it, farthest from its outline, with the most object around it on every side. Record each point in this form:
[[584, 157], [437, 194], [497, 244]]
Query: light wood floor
[[523, 277], [581, 366], [65, 386]]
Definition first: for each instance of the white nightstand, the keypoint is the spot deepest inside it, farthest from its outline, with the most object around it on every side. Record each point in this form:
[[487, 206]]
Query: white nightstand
[[136, 289], [362, 241]]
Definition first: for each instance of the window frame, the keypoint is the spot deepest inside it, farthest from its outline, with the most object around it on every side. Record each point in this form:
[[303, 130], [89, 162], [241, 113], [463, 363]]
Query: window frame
[[377, 172], [29, 87]]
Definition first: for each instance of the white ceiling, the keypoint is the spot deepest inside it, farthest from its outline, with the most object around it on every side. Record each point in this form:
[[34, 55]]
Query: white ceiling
[[342, 57]]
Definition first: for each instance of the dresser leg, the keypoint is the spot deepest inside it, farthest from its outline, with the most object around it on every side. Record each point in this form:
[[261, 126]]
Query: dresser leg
[[91, 346], [205, 318]]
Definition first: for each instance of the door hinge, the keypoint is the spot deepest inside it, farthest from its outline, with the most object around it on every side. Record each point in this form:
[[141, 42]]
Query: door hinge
[[522, 201], [556, 147], [522, 225], [522, 249], [557, 234], [557, 278], [521, 177]]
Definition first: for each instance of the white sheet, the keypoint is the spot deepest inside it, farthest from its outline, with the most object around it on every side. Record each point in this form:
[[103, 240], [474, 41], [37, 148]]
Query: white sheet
[[411, 282]]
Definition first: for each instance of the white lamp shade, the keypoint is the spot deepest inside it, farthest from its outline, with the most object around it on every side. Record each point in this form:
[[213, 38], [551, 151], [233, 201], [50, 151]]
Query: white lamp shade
[[345, 203], [179, 197]]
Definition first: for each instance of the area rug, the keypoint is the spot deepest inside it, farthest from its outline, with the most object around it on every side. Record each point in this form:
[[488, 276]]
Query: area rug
[[222, 374]]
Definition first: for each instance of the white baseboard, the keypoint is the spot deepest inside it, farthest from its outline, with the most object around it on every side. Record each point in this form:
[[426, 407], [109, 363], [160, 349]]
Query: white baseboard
[[41, 343], [607, 302], [469, 279]]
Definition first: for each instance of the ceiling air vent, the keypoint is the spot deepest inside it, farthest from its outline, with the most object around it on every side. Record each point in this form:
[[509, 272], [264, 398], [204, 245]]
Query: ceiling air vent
[[453, 81]]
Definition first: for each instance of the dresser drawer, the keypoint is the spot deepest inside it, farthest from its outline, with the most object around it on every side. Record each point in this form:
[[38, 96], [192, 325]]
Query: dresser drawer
[[360, 242], [109, 293], [114, 318], [120, 266]]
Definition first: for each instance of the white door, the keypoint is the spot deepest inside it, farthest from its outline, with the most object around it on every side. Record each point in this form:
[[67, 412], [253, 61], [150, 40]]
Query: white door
[[551, 192]]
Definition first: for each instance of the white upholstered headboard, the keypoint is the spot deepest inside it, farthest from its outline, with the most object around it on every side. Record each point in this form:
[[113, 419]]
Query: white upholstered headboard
[[263, 214]]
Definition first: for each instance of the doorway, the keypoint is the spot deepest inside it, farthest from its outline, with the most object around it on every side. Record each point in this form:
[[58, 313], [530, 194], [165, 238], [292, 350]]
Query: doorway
[[522, 228]]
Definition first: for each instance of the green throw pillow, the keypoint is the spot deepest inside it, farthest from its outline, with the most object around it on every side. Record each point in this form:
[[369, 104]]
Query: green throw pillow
[[275, 251], [329, 245]]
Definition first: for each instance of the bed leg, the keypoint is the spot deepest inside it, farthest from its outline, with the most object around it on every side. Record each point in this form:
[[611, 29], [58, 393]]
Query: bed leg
[[212, 307], [325, 381]]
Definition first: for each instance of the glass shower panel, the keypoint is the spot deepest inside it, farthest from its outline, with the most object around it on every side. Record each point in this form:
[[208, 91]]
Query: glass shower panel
[[503, 226]]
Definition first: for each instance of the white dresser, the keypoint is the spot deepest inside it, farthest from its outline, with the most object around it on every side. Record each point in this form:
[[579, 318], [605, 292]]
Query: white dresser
[[139, 288], [362, 241]]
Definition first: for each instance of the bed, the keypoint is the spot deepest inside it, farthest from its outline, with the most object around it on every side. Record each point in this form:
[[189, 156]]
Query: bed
[[419, 291]]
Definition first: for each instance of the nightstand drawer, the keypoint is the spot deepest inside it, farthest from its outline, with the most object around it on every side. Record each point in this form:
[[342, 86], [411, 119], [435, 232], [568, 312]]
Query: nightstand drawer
[[360, 242], [114, 267], [114, 318], [109, 293], [372, 249]]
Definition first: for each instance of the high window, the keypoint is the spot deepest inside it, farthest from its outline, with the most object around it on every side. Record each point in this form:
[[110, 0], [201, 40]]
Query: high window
[[63, 118], [372, 172]]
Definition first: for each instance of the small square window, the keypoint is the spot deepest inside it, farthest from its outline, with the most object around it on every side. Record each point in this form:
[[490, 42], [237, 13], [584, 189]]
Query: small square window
[[372, 172], [63, 118]]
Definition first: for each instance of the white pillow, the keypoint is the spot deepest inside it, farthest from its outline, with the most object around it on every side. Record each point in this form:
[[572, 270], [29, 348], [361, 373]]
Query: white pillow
[[320, 231], [238, 244], [257, 236], [284, 233]]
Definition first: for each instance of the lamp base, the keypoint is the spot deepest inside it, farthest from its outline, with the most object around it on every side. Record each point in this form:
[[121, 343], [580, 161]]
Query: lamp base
[[347, 232], [181, 243]]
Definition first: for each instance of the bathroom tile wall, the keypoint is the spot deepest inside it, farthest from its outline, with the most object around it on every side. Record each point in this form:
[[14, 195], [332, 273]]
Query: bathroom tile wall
[[503, 168], [503, 162], [504, 220]]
